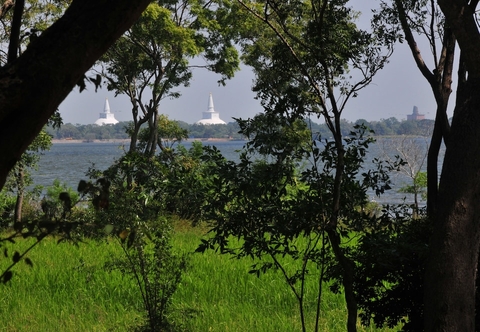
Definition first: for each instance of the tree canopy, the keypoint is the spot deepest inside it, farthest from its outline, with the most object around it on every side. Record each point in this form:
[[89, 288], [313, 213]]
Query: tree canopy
[[153, 57]]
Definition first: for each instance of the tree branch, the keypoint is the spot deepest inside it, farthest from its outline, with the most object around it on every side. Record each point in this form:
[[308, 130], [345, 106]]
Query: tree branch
[[15, 31], [7, 5], [461, 17], [417, 55]]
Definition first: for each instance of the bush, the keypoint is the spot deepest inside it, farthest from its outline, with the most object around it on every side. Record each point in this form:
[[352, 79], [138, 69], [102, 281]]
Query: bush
[[157, 270]]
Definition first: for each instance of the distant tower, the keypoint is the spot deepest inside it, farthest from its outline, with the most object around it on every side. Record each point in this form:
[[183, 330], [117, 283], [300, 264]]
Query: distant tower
[[106, 117], [415, 116], [210, 116]]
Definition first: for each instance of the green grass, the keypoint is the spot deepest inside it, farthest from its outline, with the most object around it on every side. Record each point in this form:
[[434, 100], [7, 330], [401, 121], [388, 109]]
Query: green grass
[[223, 296], [69, 290]]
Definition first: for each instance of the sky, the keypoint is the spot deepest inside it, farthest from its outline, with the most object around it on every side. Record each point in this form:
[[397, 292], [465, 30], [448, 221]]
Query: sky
[[393, 93]]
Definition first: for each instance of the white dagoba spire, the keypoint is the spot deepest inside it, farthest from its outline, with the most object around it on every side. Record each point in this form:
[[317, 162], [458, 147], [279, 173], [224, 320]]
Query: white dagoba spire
[[106, 108], [210, 104], [210, 116], [106, 117]]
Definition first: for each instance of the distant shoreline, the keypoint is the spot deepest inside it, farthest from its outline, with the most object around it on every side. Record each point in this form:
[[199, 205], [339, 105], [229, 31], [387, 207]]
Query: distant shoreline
[[127, 141], [63, 141]]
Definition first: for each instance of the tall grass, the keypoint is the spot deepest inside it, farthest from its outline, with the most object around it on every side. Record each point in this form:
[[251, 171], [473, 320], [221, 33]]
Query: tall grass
[[221, 295], [68, 289]]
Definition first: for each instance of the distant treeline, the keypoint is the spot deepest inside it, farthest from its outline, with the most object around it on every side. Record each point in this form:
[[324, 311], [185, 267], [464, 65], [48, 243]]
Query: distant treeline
[[384, 127]]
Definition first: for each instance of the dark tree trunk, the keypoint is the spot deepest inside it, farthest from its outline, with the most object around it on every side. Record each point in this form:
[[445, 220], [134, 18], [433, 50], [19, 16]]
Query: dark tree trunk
[[17, 214], [451, 268], [151, 148], [440, 81], [33, 86], [432, 168], [441, 131], [348, 266], [348, 275]]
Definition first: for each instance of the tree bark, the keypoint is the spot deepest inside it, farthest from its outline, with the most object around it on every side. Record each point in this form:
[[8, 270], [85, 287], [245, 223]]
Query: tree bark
[[452, 264], [33, 86]]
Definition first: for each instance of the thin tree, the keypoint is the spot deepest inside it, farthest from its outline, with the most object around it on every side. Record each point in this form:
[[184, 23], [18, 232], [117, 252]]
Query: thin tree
[[419, 19], [153, 58], [302, 54], [413, 152]]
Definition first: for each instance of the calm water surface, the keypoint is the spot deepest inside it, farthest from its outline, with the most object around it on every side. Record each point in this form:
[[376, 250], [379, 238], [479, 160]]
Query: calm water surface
[[69, 162]]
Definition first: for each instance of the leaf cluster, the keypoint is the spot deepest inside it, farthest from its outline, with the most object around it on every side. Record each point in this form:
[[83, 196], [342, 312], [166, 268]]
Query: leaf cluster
[[389, 276], [57, 218]]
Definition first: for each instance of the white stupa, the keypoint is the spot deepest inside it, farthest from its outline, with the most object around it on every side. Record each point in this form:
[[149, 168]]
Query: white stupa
[[106, 117], [210, 116]]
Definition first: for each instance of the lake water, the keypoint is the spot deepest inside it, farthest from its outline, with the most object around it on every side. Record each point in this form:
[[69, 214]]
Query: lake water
[[69, 163]]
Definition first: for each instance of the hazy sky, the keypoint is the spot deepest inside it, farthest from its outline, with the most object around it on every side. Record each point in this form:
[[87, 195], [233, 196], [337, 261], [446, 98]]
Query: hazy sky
[[393, 93]]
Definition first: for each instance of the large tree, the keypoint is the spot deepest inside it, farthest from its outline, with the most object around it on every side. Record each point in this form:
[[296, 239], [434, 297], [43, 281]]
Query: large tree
[[452, 266], [34, 84]]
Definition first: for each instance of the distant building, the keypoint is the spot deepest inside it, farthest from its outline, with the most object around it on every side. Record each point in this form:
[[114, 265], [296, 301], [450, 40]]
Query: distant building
[[210, 116], [106, 117], [415, 116]]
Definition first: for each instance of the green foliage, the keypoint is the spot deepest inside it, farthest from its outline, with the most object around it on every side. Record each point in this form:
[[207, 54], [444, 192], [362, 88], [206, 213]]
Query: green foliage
[[59, 198], [51, 221], [58, 191], [154, 55], [274, 136], [20, 176], [419, 185], [85, 132], [131, 199], [299, 55], [169, 133], [7, 206], [262, 200], [386, 127], [391, 264], [68, 289]]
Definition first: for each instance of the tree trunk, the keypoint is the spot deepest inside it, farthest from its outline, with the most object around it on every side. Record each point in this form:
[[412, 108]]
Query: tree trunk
[[451, 267], [17, 215], [432, 168], [348, 275], [346, 263], [33, 86], [441, 132]]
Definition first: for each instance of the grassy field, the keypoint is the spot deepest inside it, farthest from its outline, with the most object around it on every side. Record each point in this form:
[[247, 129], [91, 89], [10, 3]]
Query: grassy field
[[68, 289]]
